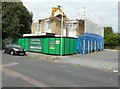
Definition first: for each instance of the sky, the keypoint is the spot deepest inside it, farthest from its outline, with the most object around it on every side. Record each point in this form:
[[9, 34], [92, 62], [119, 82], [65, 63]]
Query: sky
[[103, 12]]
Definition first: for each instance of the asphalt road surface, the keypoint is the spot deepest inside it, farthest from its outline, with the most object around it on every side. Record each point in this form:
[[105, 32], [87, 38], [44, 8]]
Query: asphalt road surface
[[23, 71]]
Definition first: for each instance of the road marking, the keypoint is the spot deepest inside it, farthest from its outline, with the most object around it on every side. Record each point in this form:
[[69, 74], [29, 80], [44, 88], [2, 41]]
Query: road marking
[[16, 74], [7, 65], [115, 71], [10, 64], [26, 78]]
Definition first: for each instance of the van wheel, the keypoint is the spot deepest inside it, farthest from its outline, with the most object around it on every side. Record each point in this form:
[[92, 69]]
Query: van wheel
[[12, 52]]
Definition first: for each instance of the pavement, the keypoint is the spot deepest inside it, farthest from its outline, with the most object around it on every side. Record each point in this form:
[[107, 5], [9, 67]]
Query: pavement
[[104, 60]]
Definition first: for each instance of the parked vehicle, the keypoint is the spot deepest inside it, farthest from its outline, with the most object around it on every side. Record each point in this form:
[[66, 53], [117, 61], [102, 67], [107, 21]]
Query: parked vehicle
[[14, 49]]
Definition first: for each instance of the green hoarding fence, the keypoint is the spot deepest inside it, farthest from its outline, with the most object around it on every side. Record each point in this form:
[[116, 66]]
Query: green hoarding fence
[[36, 44], [23, 43], [67, 46], [75, 47], [63, 46], [57, 46], [26, 42], [46, 44], [20, 41], [70, 46], [50, 45]]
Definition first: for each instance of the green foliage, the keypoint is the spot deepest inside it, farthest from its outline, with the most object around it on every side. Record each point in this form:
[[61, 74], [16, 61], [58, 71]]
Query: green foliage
[[111, 38], [0, 15], [16, 19], [108, 30]]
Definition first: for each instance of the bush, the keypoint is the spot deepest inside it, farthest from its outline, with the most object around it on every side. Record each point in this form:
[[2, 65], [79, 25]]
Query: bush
[[112, 39]]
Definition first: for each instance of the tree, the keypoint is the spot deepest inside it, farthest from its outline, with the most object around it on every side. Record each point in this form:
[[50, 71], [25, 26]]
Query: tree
[[16, 19], [108, 30], [111, 38]]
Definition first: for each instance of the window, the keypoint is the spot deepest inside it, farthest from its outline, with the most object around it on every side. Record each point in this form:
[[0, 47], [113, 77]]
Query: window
[[49, 25]]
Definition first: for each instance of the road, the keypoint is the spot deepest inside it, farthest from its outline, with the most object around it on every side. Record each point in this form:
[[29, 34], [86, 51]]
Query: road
[[23, 71]]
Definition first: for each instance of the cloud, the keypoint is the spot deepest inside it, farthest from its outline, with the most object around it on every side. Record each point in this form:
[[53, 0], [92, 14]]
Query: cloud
[[70, 0], [106, 10]]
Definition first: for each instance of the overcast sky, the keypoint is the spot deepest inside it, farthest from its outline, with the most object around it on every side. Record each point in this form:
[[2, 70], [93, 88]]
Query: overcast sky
[[101, 11]]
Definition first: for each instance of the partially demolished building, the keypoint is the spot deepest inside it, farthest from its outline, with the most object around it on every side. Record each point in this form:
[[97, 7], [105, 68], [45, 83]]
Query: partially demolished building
[[71, 28], [78, 36]]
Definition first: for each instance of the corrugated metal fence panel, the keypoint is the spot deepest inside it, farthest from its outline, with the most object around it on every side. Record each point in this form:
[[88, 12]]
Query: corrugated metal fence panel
[[63, 46], [22, 43], [67, 45], [26, 44], [46, 45], [75, 46], [51, 45], [36, 44], [71, 46], [57, 46]]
